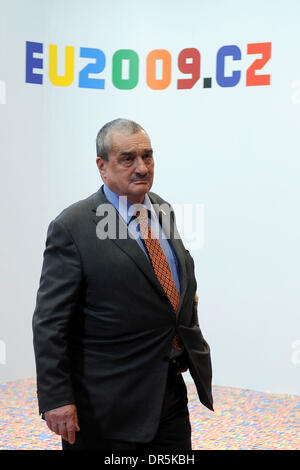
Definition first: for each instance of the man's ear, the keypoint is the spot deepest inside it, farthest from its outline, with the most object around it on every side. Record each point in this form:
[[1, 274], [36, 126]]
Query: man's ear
[[101, 164]]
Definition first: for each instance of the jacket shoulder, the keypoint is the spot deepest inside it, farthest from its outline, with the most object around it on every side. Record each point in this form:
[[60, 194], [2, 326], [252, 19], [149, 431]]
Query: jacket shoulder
[[157, 199], [76, 211]]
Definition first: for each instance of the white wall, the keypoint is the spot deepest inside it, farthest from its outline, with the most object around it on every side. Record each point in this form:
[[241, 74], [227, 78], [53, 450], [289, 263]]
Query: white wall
[[233, 150]]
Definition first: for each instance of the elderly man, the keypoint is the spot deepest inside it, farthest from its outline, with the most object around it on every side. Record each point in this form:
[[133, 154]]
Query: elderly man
[[115, 322]]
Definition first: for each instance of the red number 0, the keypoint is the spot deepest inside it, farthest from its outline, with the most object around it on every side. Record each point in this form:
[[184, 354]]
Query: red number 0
[[263, 48]]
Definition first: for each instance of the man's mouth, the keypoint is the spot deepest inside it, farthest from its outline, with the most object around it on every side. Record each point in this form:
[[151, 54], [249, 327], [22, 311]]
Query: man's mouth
[[140, 180]]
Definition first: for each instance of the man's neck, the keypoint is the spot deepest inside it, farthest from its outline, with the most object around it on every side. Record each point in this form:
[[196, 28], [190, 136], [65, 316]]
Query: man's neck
[[130, 200]]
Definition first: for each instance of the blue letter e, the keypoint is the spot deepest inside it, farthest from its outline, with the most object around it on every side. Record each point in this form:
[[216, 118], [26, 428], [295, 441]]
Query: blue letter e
[[33, 62]]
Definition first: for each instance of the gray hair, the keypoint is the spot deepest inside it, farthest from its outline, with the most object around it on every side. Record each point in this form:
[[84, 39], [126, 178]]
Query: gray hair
[[124, 126]]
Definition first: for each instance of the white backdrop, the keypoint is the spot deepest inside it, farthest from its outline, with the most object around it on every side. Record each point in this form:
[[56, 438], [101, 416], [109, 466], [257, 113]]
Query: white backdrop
[[232, 151]]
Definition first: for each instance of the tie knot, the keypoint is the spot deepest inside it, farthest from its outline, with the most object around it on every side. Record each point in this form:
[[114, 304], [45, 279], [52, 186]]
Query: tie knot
[[142, 213]]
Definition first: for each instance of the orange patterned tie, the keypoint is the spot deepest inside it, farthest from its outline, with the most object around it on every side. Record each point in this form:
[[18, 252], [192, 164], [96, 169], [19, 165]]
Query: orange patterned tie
[[160, 264]]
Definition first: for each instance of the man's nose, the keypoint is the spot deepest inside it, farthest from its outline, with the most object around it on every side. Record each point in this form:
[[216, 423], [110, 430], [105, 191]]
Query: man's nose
[[140, 166]]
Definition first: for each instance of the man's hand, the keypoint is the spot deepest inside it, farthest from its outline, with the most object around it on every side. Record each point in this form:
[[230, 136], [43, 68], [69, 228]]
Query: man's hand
[[63, 421]]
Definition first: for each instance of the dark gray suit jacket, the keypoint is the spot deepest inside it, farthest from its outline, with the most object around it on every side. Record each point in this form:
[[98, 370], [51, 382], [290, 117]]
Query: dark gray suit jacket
[[103, 326]]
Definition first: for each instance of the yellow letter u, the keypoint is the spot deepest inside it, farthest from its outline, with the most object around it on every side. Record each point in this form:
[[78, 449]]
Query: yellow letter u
[[68, 77]]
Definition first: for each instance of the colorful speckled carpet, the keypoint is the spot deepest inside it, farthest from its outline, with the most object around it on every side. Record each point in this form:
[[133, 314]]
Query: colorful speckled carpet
[[243, 420]]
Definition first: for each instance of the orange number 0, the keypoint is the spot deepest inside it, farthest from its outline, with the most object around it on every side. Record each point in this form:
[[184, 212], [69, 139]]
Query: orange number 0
[[152, 58]]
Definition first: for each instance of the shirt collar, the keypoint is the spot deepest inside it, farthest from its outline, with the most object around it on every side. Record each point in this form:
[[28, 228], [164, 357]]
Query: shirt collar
[[122, 205]]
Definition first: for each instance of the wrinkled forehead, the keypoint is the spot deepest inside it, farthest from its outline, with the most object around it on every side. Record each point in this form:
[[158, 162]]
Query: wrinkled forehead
[[121, 142]]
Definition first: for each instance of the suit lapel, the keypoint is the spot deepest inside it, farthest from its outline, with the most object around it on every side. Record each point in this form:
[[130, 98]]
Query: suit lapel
[[126, 243]]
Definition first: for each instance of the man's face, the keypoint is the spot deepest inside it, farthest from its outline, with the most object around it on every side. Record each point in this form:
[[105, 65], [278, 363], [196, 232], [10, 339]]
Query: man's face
[[129, 170]]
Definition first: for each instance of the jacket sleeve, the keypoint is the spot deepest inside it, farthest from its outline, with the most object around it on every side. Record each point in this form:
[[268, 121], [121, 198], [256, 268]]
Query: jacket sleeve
[[56, 302], [195, 312]]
